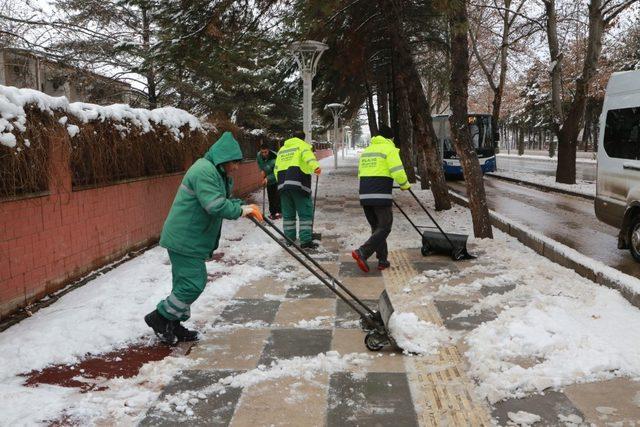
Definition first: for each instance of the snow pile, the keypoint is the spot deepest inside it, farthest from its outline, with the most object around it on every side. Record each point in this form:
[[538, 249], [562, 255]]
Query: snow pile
[[13, 116], [523, 418], [414, 335], [565, 328]]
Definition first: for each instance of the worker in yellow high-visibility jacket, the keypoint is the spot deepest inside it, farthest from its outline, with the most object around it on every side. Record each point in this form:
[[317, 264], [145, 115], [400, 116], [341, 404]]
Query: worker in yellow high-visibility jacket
[[294, 165], [378, 168]]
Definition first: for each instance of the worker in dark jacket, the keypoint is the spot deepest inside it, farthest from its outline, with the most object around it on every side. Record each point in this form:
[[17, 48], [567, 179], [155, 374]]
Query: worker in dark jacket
[[378, 168], [266, 160], [191, 233]]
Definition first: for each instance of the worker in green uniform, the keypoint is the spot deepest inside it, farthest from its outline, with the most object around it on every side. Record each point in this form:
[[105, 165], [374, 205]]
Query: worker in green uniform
[[191, 233], [378, 167], [294, 165], [266, 160]]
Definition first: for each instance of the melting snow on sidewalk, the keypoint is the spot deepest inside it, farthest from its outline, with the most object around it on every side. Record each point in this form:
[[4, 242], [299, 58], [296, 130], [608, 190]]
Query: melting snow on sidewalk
[[567, 328]]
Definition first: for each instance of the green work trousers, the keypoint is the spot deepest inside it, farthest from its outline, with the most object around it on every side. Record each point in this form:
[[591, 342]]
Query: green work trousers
[[292, 203], [189, 279]]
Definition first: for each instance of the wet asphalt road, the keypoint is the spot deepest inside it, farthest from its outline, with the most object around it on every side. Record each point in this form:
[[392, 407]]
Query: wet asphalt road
[[567, 219], [584, 171]]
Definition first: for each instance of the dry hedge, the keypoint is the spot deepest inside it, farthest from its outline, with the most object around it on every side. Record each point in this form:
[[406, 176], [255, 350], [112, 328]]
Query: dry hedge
[[23, 169], [101, 155], [105, 152]]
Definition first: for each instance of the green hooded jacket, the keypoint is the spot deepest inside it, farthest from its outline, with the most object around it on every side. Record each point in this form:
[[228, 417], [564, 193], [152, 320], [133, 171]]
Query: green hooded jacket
[[267, 165], [203, 200]]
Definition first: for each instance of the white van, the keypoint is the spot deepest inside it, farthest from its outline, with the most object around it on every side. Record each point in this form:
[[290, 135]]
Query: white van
[[617, 200]]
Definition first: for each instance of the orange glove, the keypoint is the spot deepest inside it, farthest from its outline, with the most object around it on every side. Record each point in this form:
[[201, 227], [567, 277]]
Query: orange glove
[[252, 211], [318, 171]]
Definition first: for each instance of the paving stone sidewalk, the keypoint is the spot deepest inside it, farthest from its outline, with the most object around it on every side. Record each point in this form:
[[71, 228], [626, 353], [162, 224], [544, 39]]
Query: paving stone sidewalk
[[394, 389]]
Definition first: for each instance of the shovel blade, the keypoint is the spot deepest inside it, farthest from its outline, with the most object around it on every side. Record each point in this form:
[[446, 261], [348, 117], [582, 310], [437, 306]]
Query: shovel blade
[[434, 242]]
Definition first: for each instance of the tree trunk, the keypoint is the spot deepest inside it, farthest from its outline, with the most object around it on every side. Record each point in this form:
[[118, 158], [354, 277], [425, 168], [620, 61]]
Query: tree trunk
[[422, 166], [407, 76], [520, 141], [150, 72], [458, 98], [405, 133], [568, 127], [586, 130], [371, 112], [383, 102], [552, 144], [499, 90]]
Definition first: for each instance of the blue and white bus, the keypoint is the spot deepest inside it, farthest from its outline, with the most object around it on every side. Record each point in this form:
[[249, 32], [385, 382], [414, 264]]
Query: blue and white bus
[[481, 138]]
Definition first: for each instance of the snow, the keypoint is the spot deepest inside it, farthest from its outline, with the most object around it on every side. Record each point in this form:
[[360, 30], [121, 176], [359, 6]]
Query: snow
[[587, 188], [564, 326], [416, 336], [523, 418], [73, 130], [544, 158], [298, 367], [13, 116], [8, 139]]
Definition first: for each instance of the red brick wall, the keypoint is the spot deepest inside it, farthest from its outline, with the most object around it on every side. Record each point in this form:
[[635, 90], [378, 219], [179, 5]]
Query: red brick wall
[[49, 241]]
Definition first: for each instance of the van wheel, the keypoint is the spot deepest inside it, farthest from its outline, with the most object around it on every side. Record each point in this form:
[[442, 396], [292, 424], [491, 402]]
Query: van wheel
[[634, 237]]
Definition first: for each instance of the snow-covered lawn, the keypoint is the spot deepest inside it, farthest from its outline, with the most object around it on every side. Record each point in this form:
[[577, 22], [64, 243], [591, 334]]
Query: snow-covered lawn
[[587, 188], [547, 158], [565, 327]]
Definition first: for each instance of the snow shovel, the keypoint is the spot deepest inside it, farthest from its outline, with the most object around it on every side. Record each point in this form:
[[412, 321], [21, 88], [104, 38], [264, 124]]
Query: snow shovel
[[439, 242], [374, 322], [315, 236], [264, 189]]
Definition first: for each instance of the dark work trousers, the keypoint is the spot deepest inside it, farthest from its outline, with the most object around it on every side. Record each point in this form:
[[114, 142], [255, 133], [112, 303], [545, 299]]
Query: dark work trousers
[[380, 219], [274, 199]]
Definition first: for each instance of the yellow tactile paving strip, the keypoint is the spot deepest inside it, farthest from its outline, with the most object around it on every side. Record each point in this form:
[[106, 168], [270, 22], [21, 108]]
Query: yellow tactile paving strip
[[442, 393]]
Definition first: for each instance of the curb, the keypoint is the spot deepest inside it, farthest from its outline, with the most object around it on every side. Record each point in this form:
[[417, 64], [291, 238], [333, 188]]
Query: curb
[[540, 186], [564, 255]]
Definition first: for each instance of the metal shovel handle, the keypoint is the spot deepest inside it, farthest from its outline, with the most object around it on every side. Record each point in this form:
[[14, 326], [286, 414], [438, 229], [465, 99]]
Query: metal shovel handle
[[432, 219], [315, 263], [308, 267]]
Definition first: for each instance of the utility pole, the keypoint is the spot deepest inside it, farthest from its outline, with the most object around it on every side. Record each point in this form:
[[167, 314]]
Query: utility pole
[[307, 55]]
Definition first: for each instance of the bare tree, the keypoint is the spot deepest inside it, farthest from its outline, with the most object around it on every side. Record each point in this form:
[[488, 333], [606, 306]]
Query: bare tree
[[493, 61], [569, 121], [458, 98]]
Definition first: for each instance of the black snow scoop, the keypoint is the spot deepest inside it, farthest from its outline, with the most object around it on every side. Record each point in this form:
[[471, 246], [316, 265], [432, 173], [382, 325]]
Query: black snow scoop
[[374, 322], [439, 242], [315, 236]]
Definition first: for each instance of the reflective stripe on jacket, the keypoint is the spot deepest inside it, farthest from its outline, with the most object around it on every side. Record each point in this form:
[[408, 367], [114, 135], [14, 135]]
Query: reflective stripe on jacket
[[378, 167], [294, 165]]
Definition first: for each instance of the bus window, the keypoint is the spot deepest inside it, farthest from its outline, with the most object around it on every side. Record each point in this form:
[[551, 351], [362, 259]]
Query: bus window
[[622, 134]]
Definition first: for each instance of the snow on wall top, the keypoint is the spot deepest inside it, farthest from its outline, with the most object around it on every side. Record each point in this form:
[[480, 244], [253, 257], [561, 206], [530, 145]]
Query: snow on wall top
[[13, 117]]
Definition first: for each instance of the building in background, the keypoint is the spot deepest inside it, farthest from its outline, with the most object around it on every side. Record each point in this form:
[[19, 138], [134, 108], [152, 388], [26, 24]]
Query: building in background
[[25, 69]]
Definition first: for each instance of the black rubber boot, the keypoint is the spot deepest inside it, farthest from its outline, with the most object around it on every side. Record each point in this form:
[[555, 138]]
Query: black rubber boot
[[309, 245], [183, 334], [162, 327]]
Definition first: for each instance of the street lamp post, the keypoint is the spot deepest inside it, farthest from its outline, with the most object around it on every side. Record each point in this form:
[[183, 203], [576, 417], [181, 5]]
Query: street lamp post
[[335, 109], [307, 54], [346, 139]]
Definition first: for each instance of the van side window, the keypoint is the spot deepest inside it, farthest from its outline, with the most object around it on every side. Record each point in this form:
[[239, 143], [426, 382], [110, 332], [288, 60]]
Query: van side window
[[622, 133]]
